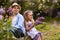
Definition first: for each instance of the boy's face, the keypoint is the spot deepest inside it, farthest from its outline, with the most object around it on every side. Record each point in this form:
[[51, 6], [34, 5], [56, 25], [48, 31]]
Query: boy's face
[[30, 15], [15, 9]]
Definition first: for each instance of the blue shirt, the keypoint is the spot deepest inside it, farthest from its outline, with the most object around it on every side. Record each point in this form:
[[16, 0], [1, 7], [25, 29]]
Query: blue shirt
[[18, 22]]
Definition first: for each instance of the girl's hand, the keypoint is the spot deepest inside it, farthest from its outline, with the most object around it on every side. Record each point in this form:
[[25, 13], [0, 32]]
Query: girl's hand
[[32, 21]]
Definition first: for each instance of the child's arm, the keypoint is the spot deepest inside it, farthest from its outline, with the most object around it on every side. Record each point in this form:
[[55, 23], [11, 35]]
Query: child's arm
[[33, 23], [27, 27]]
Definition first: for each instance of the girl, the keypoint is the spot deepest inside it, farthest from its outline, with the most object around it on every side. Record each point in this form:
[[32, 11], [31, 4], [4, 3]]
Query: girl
[[29, 24]]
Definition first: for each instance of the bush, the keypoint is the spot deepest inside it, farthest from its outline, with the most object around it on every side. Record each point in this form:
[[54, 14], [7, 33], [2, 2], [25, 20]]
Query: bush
[[4, 30]]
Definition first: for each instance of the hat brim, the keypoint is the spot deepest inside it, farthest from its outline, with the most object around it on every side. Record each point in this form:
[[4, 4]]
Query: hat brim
[[17, 6]]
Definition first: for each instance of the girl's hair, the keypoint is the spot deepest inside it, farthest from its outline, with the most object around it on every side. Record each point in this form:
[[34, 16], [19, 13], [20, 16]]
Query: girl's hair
[[26, 13]]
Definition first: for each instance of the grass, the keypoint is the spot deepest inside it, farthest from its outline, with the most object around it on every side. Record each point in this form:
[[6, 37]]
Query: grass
[[49, 31]]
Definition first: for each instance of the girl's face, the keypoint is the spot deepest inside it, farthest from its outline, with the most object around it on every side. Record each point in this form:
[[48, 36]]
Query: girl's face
[[15, 9], [30, 16]]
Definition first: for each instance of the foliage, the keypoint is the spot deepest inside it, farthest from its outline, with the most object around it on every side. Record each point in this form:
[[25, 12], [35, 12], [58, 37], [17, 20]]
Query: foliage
[[4, 30]]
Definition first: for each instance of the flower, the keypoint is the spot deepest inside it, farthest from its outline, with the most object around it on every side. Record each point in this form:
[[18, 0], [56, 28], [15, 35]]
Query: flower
[[38, 22], [0, 17], [2, 11], [40, 18], [9, 10]]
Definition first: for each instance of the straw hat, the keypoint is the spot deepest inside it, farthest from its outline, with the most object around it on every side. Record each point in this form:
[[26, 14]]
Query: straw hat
[[16, 4]]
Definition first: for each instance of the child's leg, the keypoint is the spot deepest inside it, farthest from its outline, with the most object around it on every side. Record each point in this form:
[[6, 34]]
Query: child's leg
[[40, 36]]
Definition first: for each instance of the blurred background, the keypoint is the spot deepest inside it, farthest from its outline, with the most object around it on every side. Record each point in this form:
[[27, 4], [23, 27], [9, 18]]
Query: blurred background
[[47, 10]]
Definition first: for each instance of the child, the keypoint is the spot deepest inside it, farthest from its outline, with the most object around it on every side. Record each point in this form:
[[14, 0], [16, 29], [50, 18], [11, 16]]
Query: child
[[29, 24], [18, 29]]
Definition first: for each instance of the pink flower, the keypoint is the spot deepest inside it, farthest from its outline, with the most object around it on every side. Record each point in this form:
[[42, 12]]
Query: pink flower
[[0, 17], [38, 22], [2, 10], [40, 18], [9, 10]]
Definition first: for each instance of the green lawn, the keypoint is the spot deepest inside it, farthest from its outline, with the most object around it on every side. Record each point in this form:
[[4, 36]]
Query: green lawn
[[49, 31]]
